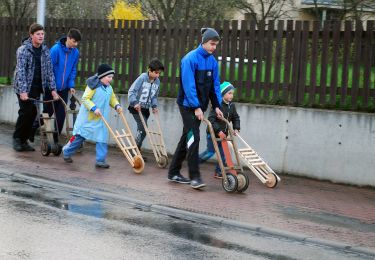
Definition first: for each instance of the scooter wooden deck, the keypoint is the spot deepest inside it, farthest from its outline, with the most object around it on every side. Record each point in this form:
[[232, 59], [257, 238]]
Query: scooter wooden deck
[[257, 165], [156, 139], [125, 141]]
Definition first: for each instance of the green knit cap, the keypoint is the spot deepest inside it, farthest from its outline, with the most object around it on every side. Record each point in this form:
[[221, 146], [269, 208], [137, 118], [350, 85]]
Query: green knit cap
[[225, 87]]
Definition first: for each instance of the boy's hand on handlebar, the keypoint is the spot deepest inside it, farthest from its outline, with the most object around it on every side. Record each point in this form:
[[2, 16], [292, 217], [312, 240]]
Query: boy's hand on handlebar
[[119, 109], [218, 112], [198, 113], [97, 112], [222, 135], [72, 91], [24, 96], [137, 107], [155, 110], [55, 96]]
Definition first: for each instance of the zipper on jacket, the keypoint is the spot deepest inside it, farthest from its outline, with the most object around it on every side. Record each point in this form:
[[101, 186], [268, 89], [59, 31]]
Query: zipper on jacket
[[149, 93], [226, 126], [63, 76]]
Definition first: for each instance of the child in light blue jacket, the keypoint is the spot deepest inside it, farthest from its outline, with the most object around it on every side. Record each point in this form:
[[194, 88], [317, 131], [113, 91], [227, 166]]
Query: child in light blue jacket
[[96, 102]]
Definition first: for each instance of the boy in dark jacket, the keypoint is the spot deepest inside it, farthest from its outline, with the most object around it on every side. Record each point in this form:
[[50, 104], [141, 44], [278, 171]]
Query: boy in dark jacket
[[230, 113]]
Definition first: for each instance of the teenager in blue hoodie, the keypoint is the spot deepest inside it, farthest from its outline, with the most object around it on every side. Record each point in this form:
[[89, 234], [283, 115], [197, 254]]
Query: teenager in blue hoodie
[[65, 57], [199, 84]]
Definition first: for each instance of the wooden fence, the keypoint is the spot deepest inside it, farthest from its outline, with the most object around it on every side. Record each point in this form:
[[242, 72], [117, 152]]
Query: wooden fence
[[284, 62]]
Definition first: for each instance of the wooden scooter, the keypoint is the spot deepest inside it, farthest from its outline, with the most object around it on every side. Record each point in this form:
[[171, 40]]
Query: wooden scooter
[[257, 165], [125, 141], [156, 139], [48, 128], [233, 177]]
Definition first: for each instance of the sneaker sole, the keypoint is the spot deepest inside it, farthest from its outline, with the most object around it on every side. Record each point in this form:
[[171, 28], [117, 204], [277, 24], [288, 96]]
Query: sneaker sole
[[182, 182], [101, 167], [198, 186]]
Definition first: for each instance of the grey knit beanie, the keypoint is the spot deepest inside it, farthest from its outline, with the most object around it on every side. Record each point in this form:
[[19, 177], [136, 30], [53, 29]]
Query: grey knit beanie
[[209, 34]]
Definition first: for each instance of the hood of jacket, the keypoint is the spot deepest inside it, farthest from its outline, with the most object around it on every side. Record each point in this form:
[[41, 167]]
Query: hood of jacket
[[93, 82], [62, 43], [29, 45]]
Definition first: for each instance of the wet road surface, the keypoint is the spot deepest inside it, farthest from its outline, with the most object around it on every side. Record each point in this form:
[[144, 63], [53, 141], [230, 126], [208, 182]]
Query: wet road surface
[[39, 221]]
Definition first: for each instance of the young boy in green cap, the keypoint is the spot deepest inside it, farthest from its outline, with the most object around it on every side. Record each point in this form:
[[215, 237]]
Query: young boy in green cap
[[229, 113]]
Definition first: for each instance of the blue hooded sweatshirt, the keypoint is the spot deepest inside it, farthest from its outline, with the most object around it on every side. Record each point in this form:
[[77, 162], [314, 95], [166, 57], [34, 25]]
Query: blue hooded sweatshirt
[[64, 61], [199, 80]]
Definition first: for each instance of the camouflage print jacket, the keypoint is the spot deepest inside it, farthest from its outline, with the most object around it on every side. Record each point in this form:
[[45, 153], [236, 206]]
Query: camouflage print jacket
[[24, 72]]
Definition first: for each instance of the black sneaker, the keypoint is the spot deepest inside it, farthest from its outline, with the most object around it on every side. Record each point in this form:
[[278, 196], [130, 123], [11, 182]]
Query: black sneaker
[[26, 147], [197, 183], [179, 178], [102, 165], [17, 145]]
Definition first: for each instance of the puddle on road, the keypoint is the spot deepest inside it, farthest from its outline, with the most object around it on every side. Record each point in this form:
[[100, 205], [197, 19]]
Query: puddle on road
[[94, 207]]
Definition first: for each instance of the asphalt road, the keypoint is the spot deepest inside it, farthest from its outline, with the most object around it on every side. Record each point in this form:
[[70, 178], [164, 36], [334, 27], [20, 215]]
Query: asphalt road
[[50, 209], [53, 221]]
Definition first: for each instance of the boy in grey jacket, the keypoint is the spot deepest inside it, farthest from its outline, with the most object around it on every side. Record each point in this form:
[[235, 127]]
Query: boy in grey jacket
[[143, 94], [33, 76]]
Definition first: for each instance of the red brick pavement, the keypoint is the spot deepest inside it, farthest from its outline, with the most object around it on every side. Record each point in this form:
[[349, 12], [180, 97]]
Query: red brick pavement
[[319, 209]]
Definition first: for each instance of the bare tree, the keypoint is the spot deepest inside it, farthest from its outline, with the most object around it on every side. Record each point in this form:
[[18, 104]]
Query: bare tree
[[263, 10], [161, 10], [354, 9], [93, 9], [57, 9], [18, 8], [185, 10]]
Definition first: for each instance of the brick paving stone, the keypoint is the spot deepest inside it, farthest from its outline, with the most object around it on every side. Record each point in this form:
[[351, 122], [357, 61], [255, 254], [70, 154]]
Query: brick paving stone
[[316, 208]]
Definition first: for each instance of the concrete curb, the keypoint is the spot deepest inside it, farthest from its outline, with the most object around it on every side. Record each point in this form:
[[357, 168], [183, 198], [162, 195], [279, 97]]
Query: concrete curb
[[202, 218]]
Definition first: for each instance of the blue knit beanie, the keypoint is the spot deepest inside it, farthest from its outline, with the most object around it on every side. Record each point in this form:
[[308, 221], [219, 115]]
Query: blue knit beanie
[[225, 87]]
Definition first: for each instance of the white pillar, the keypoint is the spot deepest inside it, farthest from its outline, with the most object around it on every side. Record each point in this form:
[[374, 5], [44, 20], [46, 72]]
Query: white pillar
[[41, 11], [324, 15]]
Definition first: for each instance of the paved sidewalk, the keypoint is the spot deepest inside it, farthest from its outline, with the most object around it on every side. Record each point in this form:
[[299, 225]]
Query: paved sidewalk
[[303, 206]]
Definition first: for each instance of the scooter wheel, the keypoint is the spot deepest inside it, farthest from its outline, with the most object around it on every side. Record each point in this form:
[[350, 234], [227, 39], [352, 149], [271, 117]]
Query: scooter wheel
[[139, 164], [57, 149], [163, 161], [271, 181], [243, 182], [45, 149], [230, 183]]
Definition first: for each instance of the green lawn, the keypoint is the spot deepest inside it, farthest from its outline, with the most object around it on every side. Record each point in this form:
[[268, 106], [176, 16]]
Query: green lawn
[[249, 96]]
